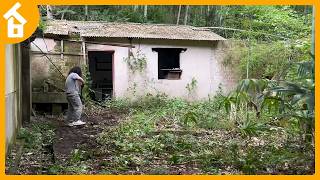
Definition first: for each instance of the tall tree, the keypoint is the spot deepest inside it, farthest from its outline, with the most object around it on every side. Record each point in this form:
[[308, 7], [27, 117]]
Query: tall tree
[[49, 12], [135, 8], [178, 16], [145, 12], [64, 12], [186, 15], [86, 12]]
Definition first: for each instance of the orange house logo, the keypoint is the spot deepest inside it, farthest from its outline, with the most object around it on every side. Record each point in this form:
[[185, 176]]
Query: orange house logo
[[15, 30], [18, 20]]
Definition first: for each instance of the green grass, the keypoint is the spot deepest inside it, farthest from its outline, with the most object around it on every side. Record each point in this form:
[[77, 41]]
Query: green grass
[[199, 135]]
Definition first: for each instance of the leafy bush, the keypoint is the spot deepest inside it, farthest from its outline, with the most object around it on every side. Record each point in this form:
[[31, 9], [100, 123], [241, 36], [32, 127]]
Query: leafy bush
[[266, 60]]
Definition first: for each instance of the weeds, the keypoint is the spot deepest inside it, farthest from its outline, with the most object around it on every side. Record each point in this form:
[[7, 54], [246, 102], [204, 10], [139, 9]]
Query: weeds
[[162, 135], [159, 130], [37, 136]]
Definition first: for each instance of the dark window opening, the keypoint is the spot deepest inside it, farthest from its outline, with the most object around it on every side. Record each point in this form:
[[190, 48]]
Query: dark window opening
[[100, 68], [169, 62]]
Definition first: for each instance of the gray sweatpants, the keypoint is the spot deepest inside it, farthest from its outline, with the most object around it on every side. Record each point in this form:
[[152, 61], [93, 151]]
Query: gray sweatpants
[[74, 107]]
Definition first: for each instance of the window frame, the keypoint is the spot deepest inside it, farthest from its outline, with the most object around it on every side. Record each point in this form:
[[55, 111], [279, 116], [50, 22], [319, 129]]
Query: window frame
[[173, 73]]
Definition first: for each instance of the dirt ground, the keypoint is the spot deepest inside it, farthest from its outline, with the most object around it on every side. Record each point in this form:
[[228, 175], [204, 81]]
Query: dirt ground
[[66, 139], [69, 143], [69, 138]]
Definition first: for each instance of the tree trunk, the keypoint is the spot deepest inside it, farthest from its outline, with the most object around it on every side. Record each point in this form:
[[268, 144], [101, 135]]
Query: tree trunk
[[186, 15], [86, 12], [207, 15], [208, 10], [220, 18], [49, 12], [64, 12], [145, 12], [135, 8], [214, 15], [178, 16]]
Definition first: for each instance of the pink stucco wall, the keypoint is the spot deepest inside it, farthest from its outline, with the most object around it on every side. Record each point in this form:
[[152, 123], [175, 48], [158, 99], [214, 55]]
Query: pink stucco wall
[[202, 61]]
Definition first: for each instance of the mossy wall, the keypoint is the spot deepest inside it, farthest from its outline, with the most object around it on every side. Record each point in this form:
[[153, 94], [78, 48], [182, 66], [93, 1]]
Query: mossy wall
[[42, 70]]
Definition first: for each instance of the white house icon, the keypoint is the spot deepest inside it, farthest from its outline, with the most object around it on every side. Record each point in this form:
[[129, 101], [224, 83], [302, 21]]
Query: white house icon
[[15, 30]]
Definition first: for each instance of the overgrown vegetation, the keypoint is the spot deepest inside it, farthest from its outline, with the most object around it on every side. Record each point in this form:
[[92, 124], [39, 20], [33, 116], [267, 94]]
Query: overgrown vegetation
[[33, 151], [136, 61], [192, 85], [264, 59], [265, 126], [161, 134]]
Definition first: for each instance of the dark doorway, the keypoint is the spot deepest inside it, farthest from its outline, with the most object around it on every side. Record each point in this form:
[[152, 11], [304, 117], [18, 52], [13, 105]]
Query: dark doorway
[[100, 68]]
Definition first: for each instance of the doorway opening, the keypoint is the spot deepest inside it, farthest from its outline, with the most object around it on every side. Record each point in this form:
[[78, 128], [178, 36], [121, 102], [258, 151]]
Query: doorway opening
[[101, 72]]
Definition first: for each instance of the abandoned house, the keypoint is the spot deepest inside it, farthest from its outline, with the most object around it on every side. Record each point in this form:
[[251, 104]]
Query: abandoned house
[[128, 60]]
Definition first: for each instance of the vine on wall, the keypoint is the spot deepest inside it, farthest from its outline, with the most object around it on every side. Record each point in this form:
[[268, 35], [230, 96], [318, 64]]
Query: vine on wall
[[137, 61]]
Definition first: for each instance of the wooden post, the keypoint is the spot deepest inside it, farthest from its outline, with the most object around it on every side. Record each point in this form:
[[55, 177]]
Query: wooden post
[[61, 48], [25, 83], [84, 53]]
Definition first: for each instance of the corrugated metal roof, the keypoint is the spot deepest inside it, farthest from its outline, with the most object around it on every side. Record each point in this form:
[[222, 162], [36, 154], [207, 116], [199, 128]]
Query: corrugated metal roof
[[130, 30]]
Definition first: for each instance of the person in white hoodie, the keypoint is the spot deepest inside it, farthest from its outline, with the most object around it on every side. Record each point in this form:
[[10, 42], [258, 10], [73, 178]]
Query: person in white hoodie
[[73, 85]]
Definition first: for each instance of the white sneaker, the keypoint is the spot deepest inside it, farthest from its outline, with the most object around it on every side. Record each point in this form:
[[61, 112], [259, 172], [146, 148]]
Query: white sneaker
[[77, 123]]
